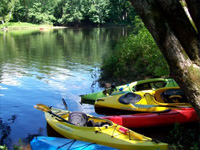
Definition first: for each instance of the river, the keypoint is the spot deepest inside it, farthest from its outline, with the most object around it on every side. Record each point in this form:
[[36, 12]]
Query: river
[[44, 67]]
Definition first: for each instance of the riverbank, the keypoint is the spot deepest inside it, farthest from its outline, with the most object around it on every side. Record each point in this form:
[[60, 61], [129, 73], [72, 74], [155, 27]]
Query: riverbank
[[27, 26]]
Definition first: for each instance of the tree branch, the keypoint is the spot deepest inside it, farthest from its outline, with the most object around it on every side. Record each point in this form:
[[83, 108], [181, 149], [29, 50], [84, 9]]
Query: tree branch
[[193, 7]]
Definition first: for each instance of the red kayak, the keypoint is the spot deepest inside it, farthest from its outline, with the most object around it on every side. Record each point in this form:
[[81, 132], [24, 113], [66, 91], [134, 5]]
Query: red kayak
[[183, 115]]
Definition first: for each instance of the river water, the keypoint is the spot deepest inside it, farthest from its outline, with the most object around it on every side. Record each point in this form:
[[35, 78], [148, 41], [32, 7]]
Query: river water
[[44, 67]]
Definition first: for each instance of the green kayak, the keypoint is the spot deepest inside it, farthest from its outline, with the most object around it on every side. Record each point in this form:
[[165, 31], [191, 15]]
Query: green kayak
[[149, 84]]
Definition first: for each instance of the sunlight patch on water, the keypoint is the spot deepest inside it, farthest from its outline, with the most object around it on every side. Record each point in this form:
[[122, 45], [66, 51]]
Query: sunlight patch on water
[[8, 80], [2, 88], [11, 74]]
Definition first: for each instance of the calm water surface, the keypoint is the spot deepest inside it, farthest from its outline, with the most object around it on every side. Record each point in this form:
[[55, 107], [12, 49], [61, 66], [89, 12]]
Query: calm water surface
[[44, 67]]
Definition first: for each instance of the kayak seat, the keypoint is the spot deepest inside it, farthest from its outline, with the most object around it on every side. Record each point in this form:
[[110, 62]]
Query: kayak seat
[[91, 123], [129, 98], [173, 96], [78, 118]]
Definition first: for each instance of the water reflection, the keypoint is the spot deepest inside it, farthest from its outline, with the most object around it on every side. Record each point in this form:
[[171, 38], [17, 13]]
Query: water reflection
[[5, 130], [44, 67]]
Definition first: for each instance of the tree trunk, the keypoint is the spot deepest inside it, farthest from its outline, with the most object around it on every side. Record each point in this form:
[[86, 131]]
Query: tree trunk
[[177, 40], [2, 22]]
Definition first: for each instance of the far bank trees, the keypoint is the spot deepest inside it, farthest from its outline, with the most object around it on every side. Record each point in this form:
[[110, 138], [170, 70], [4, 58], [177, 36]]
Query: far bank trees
[[67, 12]]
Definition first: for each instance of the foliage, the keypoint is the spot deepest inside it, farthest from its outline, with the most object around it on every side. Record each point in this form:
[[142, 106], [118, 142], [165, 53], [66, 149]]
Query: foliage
[[135, 57], [41, 13], [3, 147], [184, 138], [91, 11], [67, 12], [6, 9], [71, 12], [99, 11], [20, 12], [121, 11]]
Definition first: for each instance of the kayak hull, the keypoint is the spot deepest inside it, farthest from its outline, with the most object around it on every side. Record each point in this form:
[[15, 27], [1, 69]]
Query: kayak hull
[[183, 115], [114, 135], [55, 143], [103, 110]]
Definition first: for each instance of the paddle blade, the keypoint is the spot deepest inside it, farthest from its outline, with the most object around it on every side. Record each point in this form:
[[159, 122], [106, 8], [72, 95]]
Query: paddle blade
[[42, 107], [65, 104]]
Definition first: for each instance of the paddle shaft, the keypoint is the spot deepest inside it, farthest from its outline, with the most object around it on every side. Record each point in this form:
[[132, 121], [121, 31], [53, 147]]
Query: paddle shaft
[[58, 116]]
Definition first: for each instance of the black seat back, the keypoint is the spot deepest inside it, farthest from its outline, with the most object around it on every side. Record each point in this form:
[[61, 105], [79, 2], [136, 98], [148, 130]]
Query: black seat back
[[78, 118]]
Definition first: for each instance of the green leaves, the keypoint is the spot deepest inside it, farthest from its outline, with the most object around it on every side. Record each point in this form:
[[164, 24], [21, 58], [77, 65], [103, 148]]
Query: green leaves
[[71, 13], [6, 10], [136, 56], [68, 12], [40, 13], [99, 11]]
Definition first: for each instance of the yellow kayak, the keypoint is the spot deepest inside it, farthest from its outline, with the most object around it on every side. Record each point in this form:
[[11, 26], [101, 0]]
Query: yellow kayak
[[98, 130], [159, 100]]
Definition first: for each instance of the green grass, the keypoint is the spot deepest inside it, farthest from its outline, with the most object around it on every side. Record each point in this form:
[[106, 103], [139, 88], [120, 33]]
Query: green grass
[[11, 25]]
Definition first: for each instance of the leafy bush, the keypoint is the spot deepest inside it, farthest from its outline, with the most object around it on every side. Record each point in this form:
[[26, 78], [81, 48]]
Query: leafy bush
[[182, 138], [135, 57]]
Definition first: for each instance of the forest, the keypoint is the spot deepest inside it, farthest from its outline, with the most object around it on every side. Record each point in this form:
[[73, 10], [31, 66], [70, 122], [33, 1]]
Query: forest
[[67, 12]]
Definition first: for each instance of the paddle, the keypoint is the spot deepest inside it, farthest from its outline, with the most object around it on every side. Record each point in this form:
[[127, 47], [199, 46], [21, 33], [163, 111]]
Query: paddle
[[64, 103], [47, 109]]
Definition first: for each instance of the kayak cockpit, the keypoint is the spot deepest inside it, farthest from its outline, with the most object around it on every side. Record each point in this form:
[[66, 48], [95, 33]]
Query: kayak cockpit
[[129, 98], [82, 119], [173, 96]]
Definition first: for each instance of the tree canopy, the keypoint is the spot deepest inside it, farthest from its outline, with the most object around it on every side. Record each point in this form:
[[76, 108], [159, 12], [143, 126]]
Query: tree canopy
[[67, 12]]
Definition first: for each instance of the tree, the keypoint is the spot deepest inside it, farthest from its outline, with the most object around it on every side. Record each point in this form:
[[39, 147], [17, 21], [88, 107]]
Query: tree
[[21, 10], [121, 11], [177, 39], [72, 13], [99, 11], [42, 11], [6, 10]]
